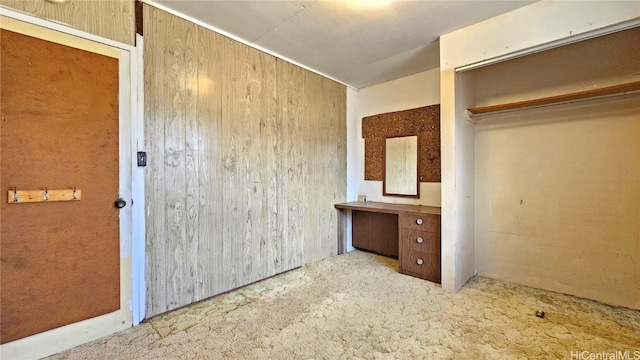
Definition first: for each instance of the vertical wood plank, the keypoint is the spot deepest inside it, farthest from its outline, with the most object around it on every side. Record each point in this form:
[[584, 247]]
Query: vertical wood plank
[[154, 179], [233, 216], [261, 169], [326, 216], [174, 105], [326, 159], [313, 181], [284, 170], [209, 111], [271, 139], [176, 32], [254, 191], [268, 249], [191, 146], [295, 154]]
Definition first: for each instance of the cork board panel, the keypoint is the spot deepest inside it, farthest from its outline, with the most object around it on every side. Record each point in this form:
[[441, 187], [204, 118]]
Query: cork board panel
[[59, 128], [423, 121]]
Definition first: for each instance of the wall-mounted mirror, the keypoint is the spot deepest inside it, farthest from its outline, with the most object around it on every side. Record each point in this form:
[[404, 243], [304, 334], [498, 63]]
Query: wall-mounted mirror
[[401, 167]]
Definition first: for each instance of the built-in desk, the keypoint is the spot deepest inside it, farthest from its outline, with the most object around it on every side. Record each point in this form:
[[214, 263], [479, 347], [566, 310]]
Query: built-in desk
[[410, 232]]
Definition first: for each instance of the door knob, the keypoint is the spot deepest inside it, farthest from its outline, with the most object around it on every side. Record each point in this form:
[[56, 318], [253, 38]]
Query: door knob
[[120, 203]]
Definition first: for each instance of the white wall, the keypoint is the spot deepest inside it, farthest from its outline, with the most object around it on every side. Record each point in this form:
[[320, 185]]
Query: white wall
[[409, 92], [352, 142], [542, 24]]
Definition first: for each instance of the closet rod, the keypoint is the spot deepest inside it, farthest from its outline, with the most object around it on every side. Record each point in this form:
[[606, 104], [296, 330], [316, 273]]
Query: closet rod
[[581, 95]]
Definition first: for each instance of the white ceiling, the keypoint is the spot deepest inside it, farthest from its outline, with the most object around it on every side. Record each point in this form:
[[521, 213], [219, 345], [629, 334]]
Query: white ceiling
[[351, 41]]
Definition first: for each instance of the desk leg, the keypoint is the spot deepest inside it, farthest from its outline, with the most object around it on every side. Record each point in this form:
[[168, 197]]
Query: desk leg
[[342, 231]]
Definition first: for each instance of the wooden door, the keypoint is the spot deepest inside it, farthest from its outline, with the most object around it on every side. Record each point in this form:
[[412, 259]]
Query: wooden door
[[60, 261]]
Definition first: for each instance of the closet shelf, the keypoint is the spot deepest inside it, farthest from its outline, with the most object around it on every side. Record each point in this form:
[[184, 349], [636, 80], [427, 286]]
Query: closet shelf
[[609, 90]]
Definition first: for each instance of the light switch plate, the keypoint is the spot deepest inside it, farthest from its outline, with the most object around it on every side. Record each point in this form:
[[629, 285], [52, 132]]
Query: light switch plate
[[142, 158]]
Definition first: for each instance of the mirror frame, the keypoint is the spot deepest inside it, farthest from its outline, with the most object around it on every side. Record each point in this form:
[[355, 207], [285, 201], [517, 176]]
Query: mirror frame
[[384, 168]]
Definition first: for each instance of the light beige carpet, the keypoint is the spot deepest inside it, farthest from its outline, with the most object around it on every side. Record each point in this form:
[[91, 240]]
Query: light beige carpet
[[357, 306]]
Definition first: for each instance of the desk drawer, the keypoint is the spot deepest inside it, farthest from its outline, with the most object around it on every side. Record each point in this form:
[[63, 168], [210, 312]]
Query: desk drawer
[[421, 241], [422, 222], [426, 265]]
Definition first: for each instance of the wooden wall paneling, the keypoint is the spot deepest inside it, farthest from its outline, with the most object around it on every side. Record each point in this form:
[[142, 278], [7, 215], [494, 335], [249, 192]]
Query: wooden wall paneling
[[309, 228], [281, 152], [304, 155], [257, 109], [299, 144], [154, 80], [282, 99], [253, 189], [296, 144], [269, 141], [232, 165], [244, 130], [189, 82], [274, 145], [326, 145], [112, 19], [261, 143], [323, 180], [312, 189], [179, 38], [171, 119], [279, 148], [322, 129], [290, 98], [247, 105], [174, 160], [265, 249], [209, 111], [329, 146], [320, 179]]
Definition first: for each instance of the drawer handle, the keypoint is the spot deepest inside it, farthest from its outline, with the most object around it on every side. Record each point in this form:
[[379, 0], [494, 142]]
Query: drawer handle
[[419, 261], [419, 221], [420, 240]]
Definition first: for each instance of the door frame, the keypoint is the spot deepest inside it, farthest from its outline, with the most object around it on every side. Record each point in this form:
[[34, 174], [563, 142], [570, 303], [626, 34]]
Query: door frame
[[131, 188]]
